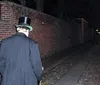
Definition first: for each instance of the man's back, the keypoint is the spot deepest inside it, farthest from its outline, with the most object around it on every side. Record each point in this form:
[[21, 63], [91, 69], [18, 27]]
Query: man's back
[[19, 68], [17, 52]]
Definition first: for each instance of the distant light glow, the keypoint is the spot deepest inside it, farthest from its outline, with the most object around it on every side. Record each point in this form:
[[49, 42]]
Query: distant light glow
[[97, 30]]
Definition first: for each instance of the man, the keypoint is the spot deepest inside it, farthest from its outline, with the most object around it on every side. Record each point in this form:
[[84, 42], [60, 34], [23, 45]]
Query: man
[[20, 62]]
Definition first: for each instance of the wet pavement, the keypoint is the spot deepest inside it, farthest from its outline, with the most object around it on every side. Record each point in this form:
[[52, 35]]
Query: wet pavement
[[56, 74]]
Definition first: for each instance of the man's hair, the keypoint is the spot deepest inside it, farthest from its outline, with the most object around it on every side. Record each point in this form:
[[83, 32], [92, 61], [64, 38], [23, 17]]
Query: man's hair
[[23, 27]]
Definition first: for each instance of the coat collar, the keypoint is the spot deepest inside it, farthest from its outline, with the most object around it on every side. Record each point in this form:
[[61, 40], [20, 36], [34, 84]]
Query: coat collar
[[21, 34]]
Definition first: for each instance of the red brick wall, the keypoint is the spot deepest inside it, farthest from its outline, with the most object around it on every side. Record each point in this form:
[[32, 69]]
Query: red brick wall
[[5, 21], [52, 34]]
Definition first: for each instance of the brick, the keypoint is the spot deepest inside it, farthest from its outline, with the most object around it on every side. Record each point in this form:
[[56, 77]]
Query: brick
[[50, 33]]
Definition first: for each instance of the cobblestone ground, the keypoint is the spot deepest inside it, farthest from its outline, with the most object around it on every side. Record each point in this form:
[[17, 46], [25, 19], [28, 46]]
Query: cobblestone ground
[[60, 70]]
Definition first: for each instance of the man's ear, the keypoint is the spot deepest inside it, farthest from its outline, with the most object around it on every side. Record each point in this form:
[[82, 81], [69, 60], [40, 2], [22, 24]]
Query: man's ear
[[18, 29]]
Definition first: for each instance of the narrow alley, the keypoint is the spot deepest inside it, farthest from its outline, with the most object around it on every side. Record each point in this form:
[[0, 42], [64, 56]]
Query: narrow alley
[[81, 67]]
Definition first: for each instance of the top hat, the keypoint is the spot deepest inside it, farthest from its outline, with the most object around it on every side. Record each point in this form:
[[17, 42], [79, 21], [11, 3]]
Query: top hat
[[24, 22]]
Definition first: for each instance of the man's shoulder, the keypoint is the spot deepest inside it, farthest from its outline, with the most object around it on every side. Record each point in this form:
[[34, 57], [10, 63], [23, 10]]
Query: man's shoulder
[[32, 41], [8, 39], [5, 39]]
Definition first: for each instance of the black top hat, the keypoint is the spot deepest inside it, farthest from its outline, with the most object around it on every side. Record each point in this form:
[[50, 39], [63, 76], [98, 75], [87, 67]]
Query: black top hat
[[24, 22]]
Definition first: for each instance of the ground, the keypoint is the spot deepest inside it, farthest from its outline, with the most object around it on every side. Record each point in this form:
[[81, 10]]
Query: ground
[[89, 76]]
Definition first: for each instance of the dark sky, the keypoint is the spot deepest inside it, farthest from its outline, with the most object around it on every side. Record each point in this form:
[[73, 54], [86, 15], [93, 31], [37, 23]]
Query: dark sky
[[88, 9]]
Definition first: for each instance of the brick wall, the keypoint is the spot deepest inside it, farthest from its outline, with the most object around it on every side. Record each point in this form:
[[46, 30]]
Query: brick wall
[[5, 20], [52, 34]]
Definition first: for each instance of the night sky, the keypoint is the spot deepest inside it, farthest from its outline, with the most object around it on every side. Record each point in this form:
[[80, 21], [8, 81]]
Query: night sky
[[87, 9]]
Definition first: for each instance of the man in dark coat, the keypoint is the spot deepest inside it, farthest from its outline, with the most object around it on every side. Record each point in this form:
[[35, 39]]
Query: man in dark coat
[[20, 61]]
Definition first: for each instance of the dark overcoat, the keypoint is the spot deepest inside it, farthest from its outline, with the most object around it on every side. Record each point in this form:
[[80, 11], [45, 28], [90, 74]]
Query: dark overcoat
[[20, 62]]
